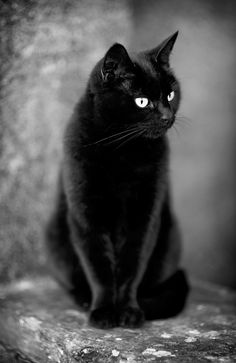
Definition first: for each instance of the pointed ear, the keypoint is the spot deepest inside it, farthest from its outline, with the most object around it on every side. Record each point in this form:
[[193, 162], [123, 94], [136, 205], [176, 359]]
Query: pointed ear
[[162, 52], [116, 61]]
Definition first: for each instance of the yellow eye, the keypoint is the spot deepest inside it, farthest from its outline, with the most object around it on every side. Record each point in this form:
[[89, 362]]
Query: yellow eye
[[170, 96], [141, 101]]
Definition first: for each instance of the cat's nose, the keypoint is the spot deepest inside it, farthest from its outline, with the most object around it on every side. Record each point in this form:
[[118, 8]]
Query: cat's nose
[[166, 119], [165, 114]]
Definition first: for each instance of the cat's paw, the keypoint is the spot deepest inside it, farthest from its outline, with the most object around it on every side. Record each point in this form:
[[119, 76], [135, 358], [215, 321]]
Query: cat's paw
[[132, 317], [103, 318]]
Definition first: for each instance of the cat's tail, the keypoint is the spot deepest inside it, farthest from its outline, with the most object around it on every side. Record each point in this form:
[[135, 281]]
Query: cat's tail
[[168, 299]]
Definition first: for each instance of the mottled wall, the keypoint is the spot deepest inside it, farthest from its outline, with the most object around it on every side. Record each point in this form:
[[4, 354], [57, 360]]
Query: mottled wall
[[203, 148], [47, 52]]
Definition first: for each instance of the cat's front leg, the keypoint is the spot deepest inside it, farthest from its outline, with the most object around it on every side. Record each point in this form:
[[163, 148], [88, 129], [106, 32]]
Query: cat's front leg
[[129, 313], [93, 249], [142, 234], [134, 260]]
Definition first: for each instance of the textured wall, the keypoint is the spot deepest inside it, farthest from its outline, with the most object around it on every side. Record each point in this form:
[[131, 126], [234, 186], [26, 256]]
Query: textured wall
[[47, 51], [203, 148]]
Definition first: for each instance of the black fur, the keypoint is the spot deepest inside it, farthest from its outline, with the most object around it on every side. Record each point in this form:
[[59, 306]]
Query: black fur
[[113, 239]]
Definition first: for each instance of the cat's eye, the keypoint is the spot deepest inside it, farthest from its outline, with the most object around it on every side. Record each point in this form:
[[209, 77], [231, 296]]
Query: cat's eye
[[170, 96], [141, 101]]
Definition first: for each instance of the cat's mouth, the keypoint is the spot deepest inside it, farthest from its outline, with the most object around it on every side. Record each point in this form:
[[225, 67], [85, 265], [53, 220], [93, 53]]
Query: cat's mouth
[[154, 134], [153, 131]]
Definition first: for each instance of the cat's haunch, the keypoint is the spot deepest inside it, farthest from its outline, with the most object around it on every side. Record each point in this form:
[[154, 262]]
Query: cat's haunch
[[113, 239]]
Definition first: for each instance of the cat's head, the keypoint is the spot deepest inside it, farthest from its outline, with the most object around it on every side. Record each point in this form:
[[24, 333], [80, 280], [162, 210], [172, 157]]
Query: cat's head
[[137, 91]]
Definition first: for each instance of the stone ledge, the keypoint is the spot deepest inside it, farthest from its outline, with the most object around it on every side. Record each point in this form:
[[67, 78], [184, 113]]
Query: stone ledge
[[40, 323]]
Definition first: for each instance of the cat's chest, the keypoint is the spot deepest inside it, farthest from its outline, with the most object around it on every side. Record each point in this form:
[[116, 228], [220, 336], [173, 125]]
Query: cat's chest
[[125, 177], [129, 167], [123, 174]]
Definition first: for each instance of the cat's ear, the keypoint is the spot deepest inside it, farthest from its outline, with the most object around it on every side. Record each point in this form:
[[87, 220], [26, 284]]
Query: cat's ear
[[161, 53], [116, 61]]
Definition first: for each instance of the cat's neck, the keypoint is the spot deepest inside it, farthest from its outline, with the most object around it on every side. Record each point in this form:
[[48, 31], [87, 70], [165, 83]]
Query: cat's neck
[[137, 153]]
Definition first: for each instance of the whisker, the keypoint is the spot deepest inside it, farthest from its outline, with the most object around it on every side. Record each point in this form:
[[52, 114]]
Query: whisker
[[123, 137], [112, 136], [181, 122], [176, 130], [185, 119], [131, 138]]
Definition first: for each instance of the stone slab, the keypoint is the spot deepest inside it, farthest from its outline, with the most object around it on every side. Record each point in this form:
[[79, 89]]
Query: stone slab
[[40, 323]]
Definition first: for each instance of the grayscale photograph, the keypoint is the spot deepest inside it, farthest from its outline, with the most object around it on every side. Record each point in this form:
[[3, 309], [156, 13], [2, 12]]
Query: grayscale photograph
[[117, 181]]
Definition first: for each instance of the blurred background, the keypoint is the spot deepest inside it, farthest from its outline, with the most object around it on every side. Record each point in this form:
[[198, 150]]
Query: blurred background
[[47, 52]]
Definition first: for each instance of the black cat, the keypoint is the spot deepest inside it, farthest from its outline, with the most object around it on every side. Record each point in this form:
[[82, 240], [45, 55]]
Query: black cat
[[113, 239]]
